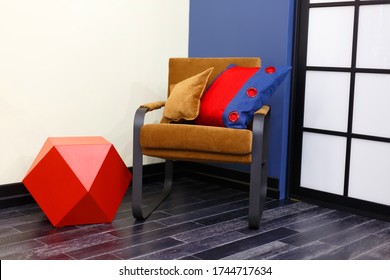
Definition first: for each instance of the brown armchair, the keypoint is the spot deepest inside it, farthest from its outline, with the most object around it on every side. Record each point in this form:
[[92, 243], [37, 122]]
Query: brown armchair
[[199, 143]]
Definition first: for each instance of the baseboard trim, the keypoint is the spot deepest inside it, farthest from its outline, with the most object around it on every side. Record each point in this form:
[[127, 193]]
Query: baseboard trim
[[15, 200], [16, 194], [229, 177]]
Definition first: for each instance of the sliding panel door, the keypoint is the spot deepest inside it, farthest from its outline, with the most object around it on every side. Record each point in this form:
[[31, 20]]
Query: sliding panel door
[[340, 132]]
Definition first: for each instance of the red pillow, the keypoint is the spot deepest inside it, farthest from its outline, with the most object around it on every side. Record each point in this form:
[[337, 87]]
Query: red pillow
[[237, 93]]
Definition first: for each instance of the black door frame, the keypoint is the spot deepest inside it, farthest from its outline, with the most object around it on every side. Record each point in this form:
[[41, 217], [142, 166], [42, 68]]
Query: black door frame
[[296, 128]]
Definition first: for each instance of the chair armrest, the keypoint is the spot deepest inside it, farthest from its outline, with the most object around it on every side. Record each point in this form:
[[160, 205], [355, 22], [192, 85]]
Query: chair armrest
[[260, 128], [263, 110], [139, 117], [153, 105], [260, 119]]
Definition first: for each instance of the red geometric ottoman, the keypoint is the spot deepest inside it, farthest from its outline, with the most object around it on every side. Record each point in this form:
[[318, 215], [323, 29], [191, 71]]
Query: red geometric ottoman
[[78, 180]]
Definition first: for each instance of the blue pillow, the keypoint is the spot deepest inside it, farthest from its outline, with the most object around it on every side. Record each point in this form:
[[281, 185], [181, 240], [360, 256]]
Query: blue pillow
[[237, 93]]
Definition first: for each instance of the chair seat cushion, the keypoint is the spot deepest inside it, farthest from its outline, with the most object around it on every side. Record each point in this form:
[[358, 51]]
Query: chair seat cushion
[[196, 138]]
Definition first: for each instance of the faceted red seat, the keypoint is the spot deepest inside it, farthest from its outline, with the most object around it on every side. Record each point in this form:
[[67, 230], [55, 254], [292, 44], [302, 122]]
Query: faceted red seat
[[78, 180]]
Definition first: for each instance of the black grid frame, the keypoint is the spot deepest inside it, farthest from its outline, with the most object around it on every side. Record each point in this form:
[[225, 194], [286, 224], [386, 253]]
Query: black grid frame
[[297, 128]]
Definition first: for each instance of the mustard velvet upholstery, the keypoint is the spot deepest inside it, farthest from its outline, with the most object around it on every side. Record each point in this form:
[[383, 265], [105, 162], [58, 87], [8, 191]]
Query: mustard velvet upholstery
[[198, 143], [190, 142], [184, 99], [197, 156], [215, 142], [196, 138], [153, 105], [183, 68]]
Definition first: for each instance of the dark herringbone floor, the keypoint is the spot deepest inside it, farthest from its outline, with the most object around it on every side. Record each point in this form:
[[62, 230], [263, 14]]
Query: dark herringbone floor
[[199, 221]]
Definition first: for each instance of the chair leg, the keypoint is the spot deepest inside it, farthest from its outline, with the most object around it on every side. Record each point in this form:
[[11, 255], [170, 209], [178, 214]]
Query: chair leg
[[140, 212], [259, 170]]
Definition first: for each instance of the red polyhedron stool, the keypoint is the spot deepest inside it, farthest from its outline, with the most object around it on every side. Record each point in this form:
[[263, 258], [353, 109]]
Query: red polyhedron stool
[[78, 180]]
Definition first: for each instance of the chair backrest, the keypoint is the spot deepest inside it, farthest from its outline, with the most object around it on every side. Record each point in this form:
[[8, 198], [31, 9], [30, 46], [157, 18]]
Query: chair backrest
[[183, 68]]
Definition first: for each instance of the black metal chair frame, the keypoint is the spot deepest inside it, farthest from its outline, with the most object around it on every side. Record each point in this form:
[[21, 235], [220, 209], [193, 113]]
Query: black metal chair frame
[[258, 171]]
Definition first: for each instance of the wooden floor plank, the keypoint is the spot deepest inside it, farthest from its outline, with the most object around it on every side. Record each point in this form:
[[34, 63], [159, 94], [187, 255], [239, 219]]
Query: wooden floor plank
[[323, 231], [354, 249], [245, 244], [189, 249]]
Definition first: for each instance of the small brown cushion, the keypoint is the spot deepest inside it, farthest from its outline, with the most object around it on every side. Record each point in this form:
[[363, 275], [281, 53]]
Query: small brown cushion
[[184, 100]]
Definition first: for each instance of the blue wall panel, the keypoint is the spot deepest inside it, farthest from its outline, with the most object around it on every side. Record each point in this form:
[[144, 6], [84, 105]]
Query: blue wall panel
[[261, 28]]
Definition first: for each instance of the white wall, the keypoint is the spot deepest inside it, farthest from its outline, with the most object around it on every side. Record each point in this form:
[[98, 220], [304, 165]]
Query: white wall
[[81, 67]]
